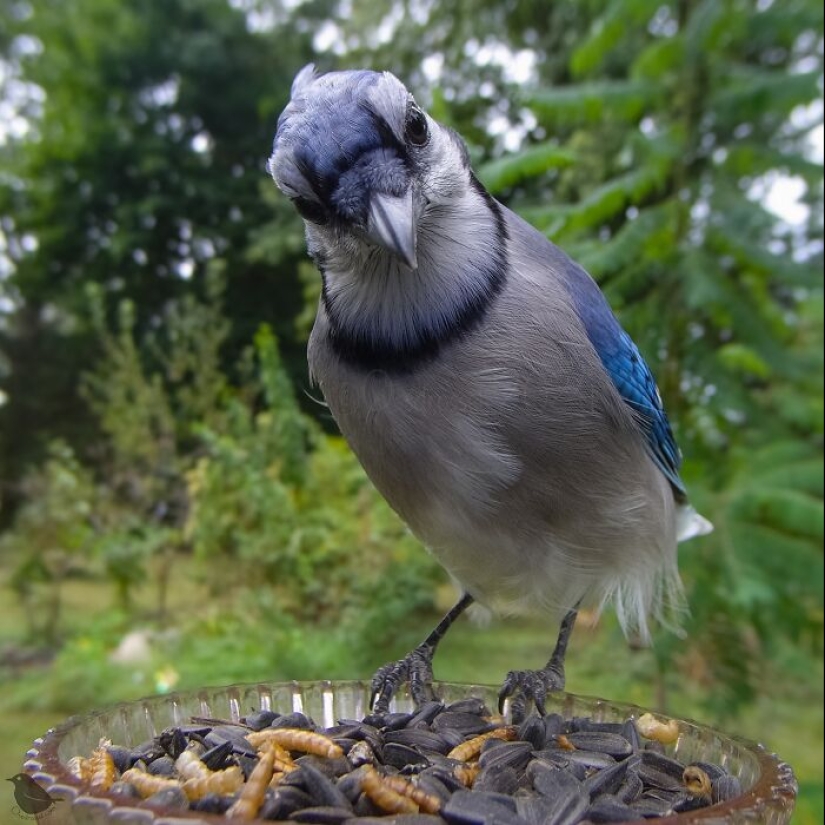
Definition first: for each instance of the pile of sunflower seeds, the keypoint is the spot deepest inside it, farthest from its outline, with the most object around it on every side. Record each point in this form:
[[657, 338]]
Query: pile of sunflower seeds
[[455, 764]]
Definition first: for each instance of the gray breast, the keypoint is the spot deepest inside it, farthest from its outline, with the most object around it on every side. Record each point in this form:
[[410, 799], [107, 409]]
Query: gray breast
[[511, 455]]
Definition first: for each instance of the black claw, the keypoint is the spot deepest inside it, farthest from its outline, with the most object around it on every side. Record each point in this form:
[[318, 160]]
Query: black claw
[[527, 686], [415, 668]]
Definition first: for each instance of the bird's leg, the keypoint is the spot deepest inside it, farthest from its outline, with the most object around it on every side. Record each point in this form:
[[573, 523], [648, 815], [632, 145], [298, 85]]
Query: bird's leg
[[533, 685], [416, 667]]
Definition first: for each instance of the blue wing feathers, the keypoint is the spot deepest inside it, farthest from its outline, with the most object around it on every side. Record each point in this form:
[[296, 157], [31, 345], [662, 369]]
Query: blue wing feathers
[[628, 371]]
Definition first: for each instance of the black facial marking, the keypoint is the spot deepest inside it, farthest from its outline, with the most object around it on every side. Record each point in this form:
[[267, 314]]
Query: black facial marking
[[311, 210], [386, 135]]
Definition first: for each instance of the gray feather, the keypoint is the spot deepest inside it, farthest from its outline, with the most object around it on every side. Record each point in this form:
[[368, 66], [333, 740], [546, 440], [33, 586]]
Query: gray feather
[[468, 387]]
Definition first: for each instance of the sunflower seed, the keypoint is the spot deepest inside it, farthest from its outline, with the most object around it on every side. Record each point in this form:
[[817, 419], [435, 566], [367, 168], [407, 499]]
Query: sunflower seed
[[553, 726], [469, 705], [322, 815], [122, 757], [554, 781], [506, 754], [419, 738], [293, 720], [536, 810], [724, 788], [400, 756], [435, 786], [613, 744], [469, 724], [631, 733], [162, 766], [125, 790], [609, 780], [218, 757], [609, 810], [322, 789], [173, 741], [590, 759], [481, 808], [533, 730], [168, 798], [425, 714], [688, 802], [501, 779], [582, 724], [395, 721], [631, 790], [213, 803], [260, 719]]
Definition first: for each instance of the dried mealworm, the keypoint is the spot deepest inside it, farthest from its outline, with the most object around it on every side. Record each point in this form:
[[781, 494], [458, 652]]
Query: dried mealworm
[[79, 767], [253, 792], [466, 774], [220, 782], [472, 747], [146, 784], [277, 778], [697, 781], [384, 797], [427, 803], [102, 770], [564, 743], [651, 728], [189, 766], [297, 739]]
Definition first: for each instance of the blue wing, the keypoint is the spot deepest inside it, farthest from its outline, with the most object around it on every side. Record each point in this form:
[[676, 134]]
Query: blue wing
[[629, 373]]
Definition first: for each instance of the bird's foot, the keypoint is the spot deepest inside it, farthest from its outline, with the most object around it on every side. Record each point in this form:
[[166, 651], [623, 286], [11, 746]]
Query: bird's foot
[[525, 686], [416, 668]]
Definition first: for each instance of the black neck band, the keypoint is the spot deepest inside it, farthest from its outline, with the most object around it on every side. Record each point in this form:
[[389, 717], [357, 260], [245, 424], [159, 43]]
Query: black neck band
[[368, 352]]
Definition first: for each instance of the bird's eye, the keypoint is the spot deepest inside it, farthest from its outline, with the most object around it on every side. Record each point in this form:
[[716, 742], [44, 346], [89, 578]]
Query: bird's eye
[[416, 130], [310, 210]]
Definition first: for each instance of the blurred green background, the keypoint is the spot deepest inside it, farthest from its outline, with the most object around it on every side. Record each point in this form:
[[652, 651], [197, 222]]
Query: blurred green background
[[175, 507]]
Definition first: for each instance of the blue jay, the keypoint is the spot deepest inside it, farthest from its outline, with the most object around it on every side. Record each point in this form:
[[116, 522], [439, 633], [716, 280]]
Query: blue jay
[[480, 377]]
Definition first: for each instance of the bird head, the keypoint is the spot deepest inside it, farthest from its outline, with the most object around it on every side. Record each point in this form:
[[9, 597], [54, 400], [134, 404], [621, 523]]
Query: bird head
[[363, 164]]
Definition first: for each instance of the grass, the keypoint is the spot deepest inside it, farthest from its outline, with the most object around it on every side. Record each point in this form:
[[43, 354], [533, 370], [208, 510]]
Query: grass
[[788, 717]]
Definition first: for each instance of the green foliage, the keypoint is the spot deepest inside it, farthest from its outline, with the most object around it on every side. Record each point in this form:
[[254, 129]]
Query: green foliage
[[623, 100], [531, 163], [52, 539], [266, 501], [141, 172]]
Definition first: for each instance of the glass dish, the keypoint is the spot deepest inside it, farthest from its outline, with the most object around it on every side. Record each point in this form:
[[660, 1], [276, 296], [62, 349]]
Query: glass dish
[[769, 787]]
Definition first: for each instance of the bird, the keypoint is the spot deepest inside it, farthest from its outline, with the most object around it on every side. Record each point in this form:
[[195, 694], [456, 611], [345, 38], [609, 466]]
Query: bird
[[30, 797], [481, 379]]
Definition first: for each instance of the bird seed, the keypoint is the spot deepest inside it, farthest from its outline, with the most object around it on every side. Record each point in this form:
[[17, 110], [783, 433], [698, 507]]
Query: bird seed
[[442, 765]]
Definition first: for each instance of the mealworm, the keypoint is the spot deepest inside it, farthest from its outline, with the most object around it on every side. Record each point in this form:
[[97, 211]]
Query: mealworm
[[253, 792], [651, 728], [297, 739], [472, 747], [389, 800]]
